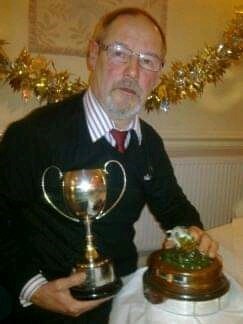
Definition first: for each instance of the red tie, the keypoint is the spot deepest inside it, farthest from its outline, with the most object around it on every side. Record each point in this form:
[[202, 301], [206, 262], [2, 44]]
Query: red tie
[[119, 137]]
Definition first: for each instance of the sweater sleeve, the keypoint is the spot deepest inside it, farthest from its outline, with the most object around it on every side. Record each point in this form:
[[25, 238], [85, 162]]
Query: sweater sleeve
[[164, 196], [18, 263]]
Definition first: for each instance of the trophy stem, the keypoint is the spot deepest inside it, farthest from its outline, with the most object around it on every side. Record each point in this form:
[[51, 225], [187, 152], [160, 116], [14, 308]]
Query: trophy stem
[[91, 253]]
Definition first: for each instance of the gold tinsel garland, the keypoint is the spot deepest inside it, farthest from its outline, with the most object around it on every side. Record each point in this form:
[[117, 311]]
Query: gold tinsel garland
[[39, 76]]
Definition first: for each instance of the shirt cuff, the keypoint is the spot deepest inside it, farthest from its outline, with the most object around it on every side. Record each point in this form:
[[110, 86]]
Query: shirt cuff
[[29, 288]]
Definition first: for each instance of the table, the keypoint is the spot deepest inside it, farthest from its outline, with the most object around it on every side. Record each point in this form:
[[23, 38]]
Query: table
[[131, 307]]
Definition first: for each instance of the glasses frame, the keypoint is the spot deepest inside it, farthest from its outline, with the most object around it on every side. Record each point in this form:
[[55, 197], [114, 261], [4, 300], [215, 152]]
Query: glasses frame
[[105, 47]]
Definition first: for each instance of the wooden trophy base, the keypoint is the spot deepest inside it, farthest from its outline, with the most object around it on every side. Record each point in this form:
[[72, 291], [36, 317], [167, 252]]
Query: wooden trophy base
[[163, 280]]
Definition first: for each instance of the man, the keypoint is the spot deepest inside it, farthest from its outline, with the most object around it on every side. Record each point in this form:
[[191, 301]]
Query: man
[[40, 247]]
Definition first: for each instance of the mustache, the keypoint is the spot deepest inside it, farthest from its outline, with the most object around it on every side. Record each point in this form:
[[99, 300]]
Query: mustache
[[130, 84]]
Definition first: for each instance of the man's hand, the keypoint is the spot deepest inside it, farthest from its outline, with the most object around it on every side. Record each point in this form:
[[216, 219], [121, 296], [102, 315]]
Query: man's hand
[[206, 244], [55, 296]]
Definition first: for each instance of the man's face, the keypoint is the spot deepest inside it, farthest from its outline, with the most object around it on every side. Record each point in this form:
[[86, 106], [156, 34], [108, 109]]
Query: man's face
[[122, 88]]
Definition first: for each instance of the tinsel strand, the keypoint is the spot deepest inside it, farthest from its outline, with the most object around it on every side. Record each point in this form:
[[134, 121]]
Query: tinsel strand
[[208, 66], [39, 77]]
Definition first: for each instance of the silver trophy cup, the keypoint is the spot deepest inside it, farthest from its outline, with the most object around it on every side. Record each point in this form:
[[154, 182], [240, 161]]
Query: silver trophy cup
[[84, 193]]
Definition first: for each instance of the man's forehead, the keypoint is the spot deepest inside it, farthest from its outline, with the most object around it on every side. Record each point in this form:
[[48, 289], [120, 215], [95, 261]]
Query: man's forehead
[[134, 21], [137, 27]]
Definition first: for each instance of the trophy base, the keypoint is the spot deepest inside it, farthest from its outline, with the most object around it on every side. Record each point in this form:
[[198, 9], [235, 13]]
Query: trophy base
[[163, 280], [81, 293]]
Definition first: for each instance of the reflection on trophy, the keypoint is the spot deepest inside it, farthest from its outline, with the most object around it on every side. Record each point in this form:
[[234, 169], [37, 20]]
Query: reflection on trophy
[[84, 193]]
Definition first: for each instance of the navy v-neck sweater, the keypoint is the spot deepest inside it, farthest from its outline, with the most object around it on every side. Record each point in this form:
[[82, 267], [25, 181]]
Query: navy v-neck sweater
[[34, 237]]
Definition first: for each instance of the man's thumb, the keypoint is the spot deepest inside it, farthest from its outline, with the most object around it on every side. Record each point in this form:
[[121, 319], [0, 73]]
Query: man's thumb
[[73, 280]]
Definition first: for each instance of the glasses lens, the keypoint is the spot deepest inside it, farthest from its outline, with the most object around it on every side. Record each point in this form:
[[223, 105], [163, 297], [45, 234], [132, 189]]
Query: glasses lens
[[150, 62], [118, 54]]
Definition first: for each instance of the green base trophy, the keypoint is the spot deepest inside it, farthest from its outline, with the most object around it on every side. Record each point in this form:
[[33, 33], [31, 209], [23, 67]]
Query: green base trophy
[[84, 193], [183, 273]]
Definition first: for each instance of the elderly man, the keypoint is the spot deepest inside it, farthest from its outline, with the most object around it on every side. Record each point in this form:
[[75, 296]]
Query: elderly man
[[40, 248]]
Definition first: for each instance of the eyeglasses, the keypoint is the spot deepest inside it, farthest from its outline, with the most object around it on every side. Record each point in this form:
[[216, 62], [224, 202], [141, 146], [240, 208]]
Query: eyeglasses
[[119, 54]]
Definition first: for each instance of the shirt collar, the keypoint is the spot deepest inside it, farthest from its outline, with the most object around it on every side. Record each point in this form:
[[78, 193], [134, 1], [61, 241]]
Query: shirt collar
[[98, 122]]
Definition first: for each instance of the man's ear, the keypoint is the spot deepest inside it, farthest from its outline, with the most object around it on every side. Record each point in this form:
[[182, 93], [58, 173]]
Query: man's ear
[[93, 53]]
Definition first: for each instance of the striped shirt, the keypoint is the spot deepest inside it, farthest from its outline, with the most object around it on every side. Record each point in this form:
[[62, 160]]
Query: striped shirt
[[30, 287], [99, 125]]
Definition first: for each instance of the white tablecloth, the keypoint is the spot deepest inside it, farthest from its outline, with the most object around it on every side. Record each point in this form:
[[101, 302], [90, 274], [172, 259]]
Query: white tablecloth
[[131, 307]]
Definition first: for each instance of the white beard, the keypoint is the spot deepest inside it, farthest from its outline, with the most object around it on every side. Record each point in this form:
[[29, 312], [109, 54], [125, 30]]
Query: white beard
[[122, 109]]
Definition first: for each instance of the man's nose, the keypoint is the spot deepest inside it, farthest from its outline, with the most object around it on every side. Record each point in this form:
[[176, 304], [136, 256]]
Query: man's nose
[[132, 68]]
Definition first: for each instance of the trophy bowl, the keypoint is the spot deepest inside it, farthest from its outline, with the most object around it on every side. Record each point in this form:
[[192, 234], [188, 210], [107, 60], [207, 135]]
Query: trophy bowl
[[84, 193]]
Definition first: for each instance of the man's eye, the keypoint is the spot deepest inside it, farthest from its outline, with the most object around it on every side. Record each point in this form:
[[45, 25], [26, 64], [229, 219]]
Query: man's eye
[[147, 61], [119, 54]]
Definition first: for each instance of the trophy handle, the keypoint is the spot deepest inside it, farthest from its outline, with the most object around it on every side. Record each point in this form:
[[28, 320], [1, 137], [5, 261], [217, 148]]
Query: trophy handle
[[47, 198], [103, 213]]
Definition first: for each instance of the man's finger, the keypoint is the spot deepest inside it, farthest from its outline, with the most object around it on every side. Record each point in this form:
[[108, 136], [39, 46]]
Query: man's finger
[[96, 302], [212, 252], [196, 232], [86, 305], [168, 244]]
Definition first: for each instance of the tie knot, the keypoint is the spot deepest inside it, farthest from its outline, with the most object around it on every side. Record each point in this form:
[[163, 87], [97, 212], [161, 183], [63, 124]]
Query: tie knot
[[119, 137]]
